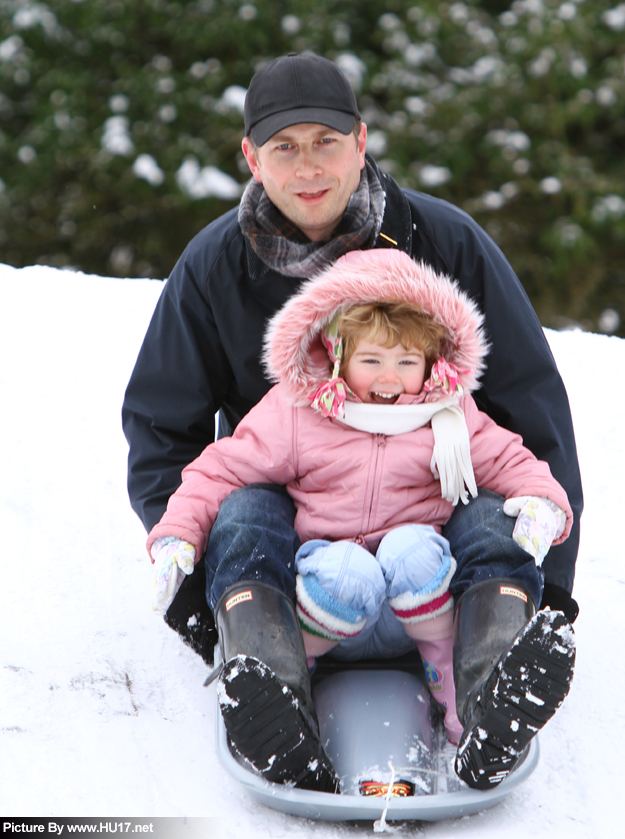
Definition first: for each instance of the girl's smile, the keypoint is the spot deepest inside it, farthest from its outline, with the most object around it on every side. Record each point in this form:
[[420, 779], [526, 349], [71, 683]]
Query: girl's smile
[[379, 374]]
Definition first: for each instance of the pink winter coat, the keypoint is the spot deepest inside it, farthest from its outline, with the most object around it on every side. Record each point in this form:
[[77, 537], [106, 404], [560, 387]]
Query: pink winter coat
[[346, 483]]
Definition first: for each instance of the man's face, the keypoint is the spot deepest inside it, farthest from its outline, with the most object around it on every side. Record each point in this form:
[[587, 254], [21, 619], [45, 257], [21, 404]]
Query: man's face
[[309, 172]]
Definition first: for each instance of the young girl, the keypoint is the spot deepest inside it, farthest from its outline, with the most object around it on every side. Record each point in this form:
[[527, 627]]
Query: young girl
[[374, 433]]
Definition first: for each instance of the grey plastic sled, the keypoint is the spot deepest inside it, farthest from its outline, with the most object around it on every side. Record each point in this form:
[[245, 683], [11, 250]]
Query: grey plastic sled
[[377, 727]]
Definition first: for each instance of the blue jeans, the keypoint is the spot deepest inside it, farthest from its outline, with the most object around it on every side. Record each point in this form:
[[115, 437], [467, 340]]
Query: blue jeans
[[253, 539], [480, 535]]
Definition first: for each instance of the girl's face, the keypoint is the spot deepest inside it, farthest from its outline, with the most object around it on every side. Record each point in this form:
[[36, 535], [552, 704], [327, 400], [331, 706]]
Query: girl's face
[[381, 374]]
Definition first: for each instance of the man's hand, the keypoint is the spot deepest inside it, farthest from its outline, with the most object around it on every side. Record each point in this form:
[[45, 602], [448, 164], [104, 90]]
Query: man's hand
[[538, 522], [173, 560]]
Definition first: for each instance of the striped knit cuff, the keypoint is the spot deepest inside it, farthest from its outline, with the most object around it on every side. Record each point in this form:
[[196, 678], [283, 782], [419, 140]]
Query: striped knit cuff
[[321, 615], [432, 600]]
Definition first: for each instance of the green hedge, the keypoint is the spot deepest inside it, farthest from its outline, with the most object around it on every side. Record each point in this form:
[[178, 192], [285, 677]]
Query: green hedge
[[120, 126]]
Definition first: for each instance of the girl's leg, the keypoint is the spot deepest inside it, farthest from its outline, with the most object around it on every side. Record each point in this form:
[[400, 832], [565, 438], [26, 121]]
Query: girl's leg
[[437, 654], [338, 585], [315, 646], [418, 567]]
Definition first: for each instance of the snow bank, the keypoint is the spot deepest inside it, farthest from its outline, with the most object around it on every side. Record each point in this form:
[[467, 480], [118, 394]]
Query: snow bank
[[102, 709]]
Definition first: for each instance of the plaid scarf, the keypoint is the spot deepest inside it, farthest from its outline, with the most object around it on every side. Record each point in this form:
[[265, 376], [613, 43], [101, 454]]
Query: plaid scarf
[[282, 246]]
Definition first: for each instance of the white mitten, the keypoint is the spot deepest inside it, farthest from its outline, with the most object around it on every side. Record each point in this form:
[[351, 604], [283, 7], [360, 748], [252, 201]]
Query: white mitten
[[538, 522], [451, 459], [173, 560]]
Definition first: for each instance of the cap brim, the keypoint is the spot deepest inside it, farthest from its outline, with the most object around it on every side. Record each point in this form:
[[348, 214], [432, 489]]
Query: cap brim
[[266, 128]]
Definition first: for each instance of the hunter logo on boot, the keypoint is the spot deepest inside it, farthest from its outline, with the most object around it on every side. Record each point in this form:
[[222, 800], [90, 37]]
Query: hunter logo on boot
[[514, 592], [241, 597]]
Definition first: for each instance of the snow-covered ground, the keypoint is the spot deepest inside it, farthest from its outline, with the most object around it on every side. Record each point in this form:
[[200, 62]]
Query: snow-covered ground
[[102, 708]]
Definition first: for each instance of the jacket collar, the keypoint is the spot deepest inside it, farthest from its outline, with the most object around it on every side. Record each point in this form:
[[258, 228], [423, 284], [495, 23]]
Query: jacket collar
[[396, 230]]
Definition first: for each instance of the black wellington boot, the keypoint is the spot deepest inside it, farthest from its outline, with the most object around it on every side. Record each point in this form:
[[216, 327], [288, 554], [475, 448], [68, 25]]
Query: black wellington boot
[[264, 688], [512, 669]]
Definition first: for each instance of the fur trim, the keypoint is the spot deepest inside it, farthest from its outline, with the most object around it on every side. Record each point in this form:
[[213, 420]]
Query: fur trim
[[427, 611], [320, 614], [427, 603], [293, 352]]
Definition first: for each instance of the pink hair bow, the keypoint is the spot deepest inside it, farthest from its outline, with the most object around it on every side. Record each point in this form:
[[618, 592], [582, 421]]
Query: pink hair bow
[[447, 377], [329, 398]]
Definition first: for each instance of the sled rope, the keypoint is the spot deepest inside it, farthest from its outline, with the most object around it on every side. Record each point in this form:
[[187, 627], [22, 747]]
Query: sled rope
[[380, 826]]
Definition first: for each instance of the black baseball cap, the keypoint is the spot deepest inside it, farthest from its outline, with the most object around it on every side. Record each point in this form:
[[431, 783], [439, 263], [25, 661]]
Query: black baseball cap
[[298, 88]]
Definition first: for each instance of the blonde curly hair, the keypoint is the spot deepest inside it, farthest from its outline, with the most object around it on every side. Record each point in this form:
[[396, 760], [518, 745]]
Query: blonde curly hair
[[389, 323]]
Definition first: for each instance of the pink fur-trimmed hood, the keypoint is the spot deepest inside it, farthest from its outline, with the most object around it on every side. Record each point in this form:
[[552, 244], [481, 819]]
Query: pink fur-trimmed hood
[[293, 352]]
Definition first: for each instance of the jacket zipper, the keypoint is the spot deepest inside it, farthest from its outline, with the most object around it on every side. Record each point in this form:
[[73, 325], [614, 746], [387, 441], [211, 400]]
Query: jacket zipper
[[379, 442]]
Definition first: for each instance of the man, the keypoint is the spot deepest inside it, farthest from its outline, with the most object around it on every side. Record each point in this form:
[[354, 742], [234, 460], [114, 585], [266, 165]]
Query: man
[[315, 195]]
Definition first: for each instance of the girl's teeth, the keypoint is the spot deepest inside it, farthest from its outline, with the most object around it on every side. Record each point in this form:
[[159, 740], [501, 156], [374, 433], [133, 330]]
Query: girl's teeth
[[384, 397]]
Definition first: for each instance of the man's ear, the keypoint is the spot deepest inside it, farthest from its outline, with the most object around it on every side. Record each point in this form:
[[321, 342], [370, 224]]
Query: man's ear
[[362, 144], [249, 150]]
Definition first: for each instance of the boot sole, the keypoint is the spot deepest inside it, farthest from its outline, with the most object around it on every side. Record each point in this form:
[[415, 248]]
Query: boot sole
[[266, 727], [526, 688]]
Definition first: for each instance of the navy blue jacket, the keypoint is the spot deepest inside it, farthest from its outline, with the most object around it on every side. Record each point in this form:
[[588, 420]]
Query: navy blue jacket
[[201, 351]]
